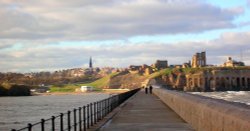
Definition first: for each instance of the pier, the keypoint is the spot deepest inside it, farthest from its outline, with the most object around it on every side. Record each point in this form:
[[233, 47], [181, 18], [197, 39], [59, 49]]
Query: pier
[[207, 114], [145, 112], [164, 110]]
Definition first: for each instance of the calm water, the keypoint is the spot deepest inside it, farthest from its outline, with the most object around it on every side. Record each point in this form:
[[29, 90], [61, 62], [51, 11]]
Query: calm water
[[234, 96], [16, 112]]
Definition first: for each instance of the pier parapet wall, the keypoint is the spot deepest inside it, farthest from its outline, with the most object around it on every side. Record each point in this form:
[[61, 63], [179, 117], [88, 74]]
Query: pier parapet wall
[[207, 114]]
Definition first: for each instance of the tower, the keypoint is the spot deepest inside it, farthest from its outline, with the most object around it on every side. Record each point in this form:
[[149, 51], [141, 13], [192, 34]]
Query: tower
[[199, 60], [90, 63]]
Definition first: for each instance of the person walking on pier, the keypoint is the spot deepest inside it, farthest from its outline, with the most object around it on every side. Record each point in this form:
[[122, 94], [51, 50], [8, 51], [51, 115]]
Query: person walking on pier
[[150, 89], [146, 90]]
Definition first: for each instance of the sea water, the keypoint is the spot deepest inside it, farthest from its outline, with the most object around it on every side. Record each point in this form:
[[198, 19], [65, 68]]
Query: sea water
[[233, 96], [16, 112]]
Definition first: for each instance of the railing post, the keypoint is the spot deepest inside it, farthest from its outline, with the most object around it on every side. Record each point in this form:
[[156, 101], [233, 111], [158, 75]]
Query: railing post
[[111, 103], [104, 108], [61, 121], [42, 124], [117, 101], [91, 114], [84, 118], [114, 100], [88, 116], [95, 113], [75, 124], [80, 119], [100, 110], [108, 104], [53, 123], [69, 125], [29, 127], [97, 106]]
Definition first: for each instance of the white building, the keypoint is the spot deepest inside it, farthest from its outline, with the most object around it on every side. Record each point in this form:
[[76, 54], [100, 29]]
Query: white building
[[86, 88]]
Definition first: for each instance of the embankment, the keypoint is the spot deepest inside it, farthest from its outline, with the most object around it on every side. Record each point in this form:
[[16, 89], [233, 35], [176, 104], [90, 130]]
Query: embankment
[[207, 114]]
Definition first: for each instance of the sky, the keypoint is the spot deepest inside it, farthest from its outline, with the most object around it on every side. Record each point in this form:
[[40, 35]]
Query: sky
[[48, 35]]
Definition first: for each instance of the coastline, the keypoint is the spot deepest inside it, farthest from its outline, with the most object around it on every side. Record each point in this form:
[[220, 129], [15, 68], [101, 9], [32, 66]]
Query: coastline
[[111, 92]]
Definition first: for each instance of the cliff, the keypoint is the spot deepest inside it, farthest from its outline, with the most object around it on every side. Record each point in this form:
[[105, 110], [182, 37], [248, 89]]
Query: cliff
[[206, 79]]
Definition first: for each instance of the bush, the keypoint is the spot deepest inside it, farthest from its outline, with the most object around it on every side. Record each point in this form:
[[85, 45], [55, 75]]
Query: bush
[[19, 90], [3, 91]]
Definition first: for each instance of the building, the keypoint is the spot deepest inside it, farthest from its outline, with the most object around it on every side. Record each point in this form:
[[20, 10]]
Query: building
[[148, 71], [134, 69], [186, 65], [199, 60], [90, 70], [232, 63], [40, 89], [160, 64], [144, 69], [86, 88], [218, 80], [90, 63]]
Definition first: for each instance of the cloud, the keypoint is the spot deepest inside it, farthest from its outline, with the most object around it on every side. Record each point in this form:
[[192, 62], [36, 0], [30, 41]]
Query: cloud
[[109, 19], [248, 2], [4, 45], [31, 32], [54, 57]]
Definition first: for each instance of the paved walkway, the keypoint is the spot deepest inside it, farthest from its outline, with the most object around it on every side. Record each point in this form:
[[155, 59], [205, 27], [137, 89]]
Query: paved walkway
[[146, 112]]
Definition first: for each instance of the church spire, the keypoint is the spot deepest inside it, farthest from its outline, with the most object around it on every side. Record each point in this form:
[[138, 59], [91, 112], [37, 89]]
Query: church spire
[[90, 62]]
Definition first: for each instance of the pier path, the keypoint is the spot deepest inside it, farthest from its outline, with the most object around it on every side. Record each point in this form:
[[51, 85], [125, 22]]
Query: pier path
[[146, 112]]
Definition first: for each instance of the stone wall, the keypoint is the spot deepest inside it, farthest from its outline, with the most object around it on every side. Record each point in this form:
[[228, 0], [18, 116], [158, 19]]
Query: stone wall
[[207, 114], [218, 80]]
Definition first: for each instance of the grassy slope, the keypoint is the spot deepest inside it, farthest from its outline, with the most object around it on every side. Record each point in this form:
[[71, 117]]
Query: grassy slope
[[193, 70], [102, 82], [71, 87], [127, 80], [160, 73]]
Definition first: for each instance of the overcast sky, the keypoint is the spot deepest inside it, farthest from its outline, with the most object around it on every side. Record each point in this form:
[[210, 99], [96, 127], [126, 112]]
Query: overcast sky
[[47, 35]]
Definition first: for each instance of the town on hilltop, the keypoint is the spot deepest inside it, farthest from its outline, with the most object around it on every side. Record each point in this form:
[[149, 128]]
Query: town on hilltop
[[195, 75]]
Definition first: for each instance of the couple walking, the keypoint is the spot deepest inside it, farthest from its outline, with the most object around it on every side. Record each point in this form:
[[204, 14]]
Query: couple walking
[[150, 88]]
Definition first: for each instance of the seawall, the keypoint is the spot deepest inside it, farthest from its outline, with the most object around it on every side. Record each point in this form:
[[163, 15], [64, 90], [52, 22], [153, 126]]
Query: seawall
[[207, 114]]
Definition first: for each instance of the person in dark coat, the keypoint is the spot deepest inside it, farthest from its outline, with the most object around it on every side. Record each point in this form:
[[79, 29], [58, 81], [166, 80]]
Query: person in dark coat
[[146, 90], [150, 89]]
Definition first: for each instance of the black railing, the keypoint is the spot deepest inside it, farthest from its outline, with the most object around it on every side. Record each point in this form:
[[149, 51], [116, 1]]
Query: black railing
[[82, 118]]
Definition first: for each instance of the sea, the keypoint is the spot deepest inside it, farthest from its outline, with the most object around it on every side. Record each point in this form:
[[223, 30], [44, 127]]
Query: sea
[[17, 112], [232, 96]]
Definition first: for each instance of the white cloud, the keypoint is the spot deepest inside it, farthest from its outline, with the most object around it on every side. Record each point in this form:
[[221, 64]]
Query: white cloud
[[31, 32], [31, 58], [108, 19]]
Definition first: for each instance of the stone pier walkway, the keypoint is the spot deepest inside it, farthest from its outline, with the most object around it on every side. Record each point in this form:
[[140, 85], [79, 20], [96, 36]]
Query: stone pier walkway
[[146, 112]]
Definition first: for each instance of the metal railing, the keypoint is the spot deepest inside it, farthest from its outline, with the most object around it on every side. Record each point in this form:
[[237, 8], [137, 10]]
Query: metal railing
[[81, 118]]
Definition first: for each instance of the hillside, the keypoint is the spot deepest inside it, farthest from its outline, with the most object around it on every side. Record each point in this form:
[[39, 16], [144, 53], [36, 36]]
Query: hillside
[[127, 80], [112, 81], [98, 84]]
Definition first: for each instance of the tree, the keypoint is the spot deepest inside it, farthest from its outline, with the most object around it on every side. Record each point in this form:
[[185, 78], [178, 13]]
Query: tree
[[19, 90], [3, 91]]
